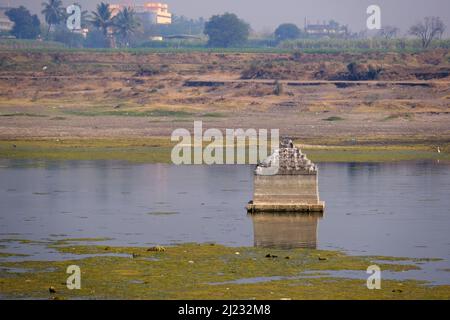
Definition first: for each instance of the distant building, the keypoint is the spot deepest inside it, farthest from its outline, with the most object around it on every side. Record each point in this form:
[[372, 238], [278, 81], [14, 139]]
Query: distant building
[[330, 29], [84, 32], [6, 25], [149, 13]]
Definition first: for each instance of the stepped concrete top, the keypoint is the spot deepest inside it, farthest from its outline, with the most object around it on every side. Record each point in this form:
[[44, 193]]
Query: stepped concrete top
[[287, 160]]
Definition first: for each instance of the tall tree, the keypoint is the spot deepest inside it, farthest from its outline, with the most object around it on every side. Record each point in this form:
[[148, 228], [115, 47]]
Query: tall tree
[[287, 31], [226, 30], [102, 18], [86, 18], [26, 26], [53, 12], [428, 30], [125, 24]]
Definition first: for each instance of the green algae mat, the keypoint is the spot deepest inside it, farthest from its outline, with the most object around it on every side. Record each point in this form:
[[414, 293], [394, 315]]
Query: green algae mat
[[205, 271]]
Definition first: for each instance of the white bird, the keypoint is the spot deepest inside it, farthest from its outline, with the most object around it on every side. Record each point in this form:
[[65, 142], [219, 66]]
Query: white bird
[[438, 150], [44, 68]]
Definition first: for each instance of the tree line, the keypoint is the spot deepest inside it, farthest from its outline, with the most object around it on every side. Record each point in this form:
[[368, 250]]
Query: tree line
[[431, 28], [226, 30]]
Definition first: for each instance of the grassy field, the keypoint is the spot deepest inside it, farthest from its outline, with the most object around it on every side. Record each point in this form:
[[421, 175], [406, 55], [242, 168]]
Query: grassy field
[[243, 50], [268, 46], [158, 150]]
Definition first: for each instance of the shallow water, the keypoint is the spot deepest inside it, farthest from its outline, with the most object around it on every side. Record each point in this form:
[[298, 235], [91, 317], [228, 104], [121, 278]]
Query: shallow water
[[392, 209]]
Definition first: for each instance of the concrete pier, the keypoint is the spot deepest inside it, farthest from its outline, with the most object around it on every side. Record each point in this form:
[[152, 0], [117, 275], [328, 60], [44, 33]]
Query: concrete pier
[[286, 182]]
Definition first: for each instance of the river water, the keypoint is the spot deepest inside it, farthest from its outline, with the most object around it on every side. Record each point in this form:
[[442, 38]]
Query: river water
[[392, 209]]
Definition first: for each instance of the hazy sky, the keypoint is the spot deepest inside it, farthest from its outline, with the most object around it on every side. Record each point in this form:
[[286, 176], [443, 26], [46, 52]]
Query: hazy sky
[[266, 14]]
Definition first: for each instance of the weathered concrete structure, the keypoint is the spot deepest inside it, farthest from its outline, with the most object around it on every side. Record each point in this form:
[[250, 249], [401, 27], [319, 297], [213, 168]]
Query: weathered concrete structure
[[286, 182]]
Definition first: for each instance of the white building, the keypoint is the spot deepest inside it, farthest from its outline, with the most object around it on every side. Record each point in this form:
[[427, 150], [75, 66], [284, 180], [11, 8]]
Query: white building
[[150, 12], [331, 28], [5, 24]]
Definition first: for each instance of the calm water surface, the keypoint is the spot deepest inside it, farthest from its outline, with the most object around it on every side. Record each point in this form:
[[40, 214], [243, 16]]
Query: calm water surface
[[392, 209]]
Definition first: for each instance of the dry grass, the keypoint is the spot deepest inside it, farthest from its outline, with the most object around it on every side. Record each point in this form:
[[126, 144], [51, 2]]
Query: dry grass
[[100, 95]]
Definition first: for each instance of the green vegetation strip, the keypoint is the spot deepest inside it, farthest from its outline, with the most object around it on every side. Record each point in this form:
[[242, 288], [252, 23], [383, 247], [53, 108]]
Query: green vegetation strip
[[158, 150], [22, 114], [207, 271], [132, 113], [287, 48]]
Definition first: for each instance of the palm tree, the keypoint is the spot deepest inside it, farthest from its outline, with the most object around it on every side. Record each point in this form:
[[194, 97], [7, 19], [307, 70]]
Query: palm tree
[[86, 18], [53, 12], [125, 24], [102, 18]]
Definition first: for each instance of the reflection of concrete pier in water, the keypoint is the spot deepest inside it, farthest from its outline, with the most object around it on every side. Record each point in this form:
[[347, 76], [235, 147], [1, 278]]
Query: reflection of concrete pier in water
[[285, 231]]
